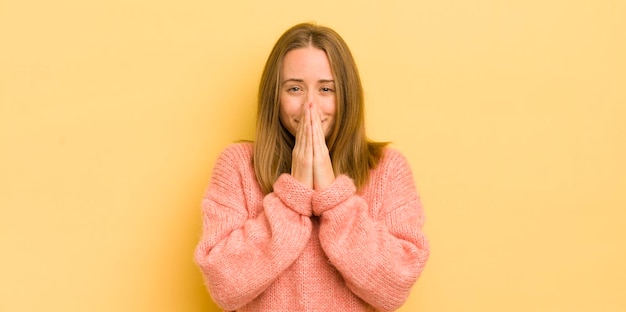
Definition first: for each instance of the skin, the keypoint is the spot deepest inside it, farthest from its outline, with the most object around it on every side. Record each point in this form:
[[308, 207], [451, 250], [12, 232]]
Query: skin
[[307, 110]]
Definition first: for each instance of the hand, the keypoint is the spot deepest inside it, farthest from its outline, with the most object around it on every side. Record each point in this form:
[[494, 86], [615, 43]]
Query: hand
[[302, 154], [323, 174], [311, 164]]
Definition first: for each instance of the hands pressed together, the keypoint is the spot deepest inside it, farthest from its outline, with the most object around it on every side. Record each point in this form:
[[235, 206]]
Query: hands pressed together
[[311, 164]]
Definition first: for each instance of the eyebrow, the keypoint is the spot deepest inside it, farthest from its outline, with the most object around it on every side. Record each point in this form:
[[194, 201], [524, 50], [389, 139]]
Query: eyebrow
[[302, 80]]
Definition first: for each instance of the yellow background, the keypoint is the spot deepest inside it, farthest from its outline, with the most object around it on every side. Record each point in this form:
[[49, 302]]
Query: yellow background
[[512, 114]]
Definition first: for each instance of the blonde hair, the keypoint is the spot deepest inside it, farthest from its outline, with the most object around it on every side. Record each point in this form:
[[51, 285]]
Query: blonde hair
[[351, 152]]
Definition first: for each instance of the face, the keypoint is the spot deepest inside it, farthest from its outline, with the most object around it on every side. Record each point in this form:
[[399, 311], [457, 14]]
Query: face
[[307, 79]]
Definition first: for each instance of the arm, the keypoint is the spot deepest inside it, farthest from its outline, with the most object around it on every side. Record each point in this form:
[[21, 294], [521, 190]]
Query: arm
[[240, 254], [380, 251]]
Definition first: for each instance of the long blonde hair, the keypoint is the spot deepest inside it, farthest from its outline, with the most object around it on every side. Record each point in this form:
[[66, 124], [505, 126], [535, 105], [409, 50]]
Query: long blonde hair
[[351, 152]]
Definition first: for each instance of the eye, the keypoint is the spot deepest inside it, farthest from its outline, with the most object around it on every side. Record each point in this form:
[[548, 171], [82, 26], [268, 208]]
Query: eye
[[327, 89], [294, 89]]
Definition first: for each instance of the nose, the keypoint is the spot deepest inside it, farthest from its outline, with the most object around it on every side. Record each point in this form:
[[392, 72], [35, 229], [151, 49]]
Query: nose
[[310, 100]]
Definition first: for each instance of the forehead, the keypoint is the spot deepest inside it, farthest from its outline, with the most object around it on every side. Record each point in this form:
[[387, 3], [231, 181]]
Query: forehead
[[309, 62]]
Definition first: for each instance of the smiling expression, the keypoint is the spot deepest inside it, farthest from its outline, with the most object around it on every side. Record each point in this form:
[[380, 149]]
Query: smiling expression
[[307, 79]]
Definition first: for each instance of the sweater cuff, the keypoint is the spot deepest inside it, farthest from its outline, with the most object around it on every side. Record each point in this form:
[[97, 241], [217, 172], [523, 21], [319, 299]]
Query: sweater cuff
[[293, 194], [340, 190]]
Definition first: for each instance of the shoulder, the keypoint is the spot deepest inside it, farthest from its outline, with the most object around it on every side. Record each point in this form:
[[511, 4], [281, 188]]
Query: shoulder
[[392, 157], [235, 155], [393, 164], [237, 151], [394, 172]]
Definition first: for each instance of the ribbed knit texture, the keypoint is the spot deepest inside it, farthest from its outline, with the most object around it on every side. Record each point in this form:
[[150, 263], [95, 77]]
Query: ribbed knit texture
[[300, 250]]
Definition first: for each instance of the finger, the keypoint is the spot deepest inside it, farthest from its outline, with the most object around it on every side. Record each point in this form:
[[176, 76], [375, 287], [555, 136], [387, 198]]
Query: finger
[[323, 174], [318, 134], [302, 155], [309, 131], [300, 140], [308, 147], [301, 128], [306, 139]]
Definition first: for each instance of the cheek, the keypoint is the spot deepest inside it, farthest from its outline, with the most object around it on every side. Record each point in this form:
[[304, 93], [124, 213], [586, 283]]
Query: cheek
[[287, 114], [288, 106], [330, 110], [329, 107]]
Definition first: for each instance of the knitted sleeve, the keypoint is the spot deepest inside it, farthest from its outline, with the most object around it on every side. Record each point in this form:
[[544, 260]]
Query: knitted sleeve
[[380, 251], [241, 253]]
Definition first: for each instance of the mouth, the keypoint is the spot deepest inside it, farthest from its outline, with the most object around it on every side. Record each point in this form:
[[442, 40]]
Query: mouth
[[298, 120]]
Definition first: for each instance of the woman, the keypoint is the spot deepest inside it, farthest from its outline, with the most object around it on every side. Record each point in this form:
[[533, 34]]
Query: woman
[[312, 216]]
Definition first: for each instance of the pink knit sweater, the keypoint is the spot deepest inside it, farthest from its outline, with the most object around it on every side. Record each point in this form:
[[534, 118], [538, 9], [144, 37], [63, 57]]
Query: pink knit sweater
[[300, 250]]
